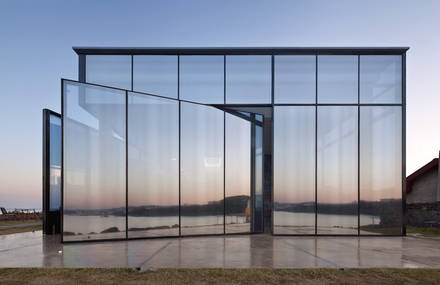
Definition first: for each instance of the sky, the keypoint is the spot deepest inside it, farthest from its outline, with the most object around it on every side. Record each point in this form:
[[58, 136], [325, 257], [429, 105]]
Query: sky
[[37, 39]]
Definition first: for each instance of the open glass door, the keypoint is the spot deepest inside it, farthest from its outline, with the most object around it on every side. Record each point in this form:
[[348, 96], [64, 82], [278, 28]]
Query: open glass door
[[137, 165]]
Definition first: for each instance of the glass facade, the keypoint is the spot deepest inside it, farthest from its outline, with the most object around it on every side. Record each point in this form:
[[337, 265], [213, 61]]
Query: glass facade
[[294, 170], [155, 74], [237, 174], [248, 79], [295, 79], [337, 191], [337, 79], [202, 209], [109, 70], [94, 162], [55, 163], [153, 166], [380, 170], [202, 79], [189, 151]]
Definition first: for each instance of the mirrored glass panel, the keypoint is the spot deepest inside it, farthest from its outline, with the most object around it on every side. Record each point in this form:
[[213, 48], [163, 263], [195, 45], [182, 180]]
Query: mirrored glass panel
[[94, 162], [381, 79], [155, 74], [295, 79], [202, 79], [55, 163], [109, 70], [201, 169], [294, 170], [153, 165], [381, 170], [258, 223], [338, 79], [337, 187], [248, 79], [238, 174]]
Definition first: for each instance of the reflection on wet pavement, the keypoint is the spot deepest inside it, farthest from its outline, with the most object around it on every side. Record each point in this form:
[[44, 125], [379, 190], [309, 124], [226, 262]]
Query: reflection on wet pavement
[[242, 251]]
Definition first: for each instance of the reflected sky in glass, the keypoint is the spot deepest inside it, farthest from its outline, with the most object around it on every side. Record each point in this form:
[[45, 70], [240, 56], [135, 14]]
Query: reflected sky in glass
[[202, 79], [155, 74], [153, 166], [237, 174], [295, 79], [55, 163], [153, 151], [94, 162], [294, 169], [381, 79], [337, 181], [381, 153], [380, 168], [248, 79], [338, 79], [109, 70]]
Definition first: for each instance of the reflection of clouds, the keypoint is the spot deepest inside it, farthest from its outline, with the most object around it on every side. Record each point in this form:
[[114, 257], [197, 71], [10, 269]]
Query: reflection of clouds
[[212, 162]]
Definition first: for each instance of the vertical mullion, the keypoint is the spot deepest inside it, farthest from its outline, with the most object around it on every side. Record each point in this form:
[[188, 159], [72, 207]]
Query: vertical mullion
[[272, 204], [316, 145], [224, 172], [403, 111], [126, 161], [224, 146], [180, 141], [358, 150], [62, 162], [131, 72]]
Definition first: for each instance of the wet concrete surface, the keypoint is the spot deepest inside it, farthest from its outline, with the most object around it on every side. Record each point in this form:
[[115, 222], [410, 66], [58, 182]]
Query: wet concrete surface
[[242, 251]]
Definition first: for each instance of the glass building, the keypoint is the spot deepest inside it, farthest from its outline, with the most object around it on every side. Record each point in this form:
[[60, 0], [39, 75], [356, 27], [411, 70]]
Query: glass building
[[164, 142]]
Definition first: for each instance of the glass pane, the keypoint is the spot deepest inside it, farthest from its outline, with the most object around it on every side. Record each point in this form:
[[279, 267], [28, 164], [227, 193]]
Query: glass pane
[[155, 74], [337, 170], [248, 79], [94, 162], [294, 170], [55, 163], [338, 79], [381, 170], [201, 169], [153, 166], [258, 176], [381, 79], [295, 79], [202, 79], [109, 70], [238, 174]]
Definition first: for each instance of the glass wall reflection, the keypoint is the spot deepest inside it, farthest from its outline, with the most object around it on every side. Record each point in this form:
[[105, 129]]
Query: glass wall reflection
[[202, 79], [258, 222], [155, 74], [295, 79], [381, 79], [381, 170], [248, 79], [153, 165], [338, 79], [238, 174], [55, 163], [337, 170], [201, 189], [294, 170], [94, 162], [109, 70]]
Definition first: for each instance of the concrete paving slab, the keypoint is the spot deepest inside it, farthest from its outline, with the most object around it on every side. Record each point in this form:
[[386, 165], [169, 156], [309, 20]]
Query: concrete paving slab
[[242, 251]]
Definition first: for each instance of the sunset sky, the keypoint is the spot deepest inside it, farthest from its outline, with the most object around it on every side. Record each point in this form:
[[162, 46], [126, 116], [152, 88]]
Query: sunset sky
[[37, 39]]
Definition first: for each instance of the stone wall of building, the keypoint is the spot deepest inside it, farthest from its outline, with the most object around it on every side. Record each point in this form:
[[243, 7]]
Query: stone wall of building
[[424, 188], [423, 214]]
